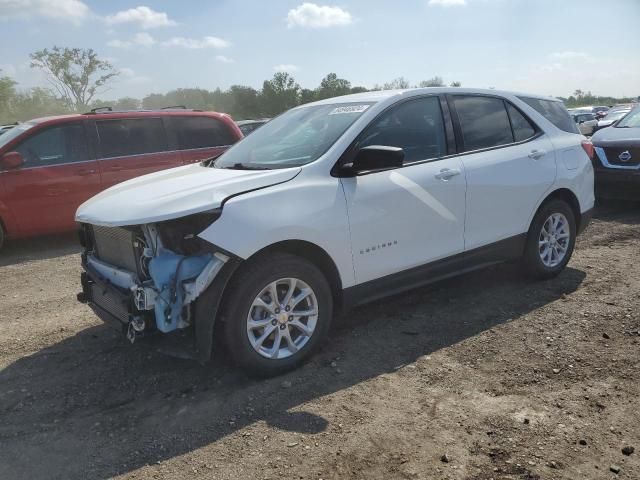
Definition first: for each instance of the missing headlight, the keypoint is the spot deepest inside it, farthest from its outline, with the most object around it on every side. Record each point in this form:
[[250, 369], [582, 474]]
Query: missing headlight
[[181, 234]]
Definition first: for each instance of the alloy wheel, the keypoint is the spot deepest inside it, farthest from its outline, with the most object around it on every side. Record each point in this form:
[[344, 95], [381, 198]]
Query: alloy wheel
[[282, 318]]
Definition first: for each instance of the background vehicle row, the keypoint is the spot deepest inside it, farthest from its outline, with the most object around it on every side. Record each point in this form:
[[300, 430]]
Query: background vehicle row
[[49, 166]]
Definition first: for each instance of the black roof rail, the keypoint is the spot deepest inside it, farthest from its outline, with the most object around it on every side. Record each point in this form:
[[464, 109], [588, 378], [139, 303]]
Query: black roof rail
[[100, 110]]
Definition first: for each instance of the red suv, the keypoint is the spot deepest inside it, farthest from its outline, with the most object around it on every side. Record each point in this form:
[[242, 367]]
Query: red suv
[[49, 166]]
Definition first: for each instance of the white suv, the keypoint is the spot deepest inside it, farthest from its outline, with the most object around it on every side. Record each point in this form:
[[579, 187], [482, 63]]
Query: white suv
[[333, 204]]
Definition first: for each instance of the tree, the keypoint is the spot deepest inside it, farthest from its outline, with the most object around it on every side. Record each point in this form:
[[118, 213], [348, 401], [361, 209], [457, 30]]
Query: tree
[[396, 83], [307, 95], [7, 95], [432, 82], [244, 102], [332, 86], [36, 102], [455, 84], [76, 74], [279, 94]]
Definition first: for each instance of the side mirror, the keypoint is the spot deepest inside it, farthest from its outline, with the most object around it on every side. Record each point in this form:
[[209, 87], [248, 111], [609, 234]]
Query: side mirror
[[11, 160], [377, 157]]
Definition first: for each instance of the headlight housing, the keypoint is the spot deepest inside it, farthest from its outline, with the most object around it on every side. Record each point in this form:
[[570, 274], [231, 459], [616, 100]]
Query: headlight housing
[[180, 235]]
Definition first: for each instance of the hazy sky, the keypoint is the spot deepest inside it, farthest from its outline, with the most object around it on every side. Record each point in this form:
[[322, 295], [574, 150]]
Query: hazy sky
[[543, 46]]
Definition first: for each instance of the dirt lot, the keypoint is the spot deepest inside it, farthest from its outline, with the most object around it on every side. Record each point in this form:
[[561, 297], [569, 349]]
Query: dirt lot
[[506, 377]]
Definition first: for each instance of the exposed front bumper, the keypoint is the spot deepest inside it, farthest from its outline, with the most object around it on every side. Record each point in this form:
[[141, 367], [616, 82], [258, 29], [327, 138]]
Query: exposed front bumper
[[112, 305]]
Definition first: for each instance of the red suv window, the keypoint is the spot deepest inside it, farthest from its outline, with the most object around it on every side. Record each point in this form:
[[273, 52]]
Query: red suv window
[[131, 136], [54, 146], [202, 132]]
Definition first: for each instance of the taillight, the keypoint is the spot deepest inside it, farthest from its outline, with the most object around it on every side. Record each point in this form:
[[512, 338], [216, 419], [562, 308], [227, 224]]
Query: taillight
[[588, 148]]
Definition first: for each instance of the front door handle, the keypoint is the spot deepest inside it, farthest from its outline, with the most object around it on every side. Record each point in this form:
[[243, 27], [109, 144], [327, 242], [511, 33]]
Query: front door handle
[[85, 172], [447, 173], [536, 154]]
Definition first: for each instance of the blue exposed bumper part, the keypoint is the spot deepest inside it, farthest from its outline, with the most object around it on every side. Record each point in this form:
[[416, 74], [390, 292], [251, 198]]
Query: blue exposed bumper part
[[169, 272]]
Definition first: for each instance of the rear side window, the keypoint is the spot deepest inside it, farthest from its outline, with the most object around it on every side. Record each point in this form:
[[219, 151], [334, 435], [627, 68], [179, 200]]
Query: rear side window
[[483, 121], [522, 128], [202, 132], [416, 126], [55, 146], [134, 136], [553, 111]]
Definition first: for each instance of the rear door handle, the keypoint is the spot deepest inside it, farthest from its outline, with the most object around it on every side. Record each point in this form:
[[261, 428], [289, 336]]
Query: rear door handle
[[536, 154], [447, 173], [85, 172]]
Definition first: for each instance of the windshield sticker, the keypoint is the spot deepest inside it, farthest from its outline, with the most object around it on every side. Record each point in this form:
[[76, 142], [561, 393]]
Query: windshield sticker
[[349, 109]]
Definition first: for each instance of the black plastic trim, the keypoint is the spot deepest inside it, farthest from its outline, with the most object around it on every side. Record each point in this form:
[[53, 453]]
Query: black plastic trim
[[498, 252]]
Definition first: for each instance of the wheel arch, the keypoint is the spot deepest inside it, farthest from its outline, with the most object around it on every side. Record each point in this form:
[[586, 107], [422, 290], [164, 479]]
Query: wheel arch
[[314, 254], [567, 196]]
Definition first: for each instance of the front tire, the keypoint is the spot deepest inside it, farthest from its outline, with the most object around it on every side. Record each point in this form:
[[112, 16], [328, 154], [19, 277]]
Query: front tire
[[277, 312], [550, 241]]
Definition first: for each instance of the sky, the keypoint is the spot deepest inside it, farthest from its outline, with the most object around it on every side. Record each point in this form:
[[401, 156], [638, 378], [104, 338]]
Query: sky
[[550, 47]]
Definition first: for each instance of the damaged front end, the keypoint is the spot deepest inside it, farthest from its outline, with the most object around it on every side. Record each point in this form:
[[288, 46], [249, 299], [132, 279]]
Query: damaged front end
[[149, 278]]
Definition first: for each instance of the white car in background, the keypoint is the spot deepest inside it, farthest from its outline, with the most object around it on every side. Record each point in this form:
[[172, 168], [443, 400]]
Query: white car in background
[[333, 204], [587, 122], [612, 117]]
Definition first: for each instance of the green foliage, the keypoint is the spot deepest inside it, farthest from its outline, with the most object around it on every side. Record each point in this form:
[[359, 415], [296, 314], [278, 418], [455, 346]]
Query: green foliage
[[279, 94], [432, 82], [76, 74], [582, 99]]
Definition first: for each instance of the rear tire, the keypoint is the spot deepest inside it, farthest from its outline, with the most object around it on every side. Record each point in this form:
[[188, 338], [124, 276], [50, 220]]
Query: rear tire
[[266, 337], [550, 240], [2, 236]]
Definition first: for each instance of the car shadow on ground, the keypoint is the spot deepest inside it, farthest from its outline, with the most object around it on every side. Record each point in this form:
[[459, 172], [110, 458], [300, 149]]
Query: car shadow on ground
[[38, 248], [93, 406]]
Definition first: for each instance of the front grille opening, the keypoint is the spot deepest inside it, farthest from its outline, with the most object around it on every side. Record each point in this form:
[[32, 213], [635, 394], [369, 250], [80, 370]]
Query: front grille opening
[[118, 247]]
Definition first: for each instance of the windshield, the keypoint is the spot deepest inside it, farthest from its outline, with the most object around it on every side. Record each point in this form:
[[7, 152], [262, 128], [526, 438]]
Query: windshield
[[613, 116], [631, 120], [295, 138], [12, 133]]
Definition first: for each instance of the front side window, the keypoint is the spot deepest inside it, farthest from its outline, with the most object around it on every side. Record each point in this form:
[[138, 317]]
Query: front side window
[[295, 138], [483, 121], [522, 127], [553, 111], [55, 146], [416, 126], [202, 132], [119, 138]]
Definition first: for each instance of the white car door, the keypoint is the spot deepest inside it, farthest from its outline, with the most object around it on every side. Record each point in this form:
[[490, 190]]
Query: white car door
[[509, 166], [412, 215]]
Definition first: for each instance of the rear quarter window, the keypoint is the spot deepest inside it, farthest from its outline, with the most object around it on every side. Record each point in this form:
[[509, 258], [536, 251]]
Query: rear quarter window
[[553, 111], [202, 132]]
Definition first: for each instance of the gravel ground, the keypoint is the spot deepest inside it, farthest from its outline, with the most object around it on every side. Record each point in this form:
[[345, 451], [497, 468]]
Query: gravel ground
[[485, 376]]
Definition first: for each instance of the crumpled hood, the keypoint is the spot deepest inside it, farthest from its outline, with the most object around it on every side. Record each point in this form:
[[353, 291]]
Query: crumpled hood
[[174, 193], [617, 137]]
